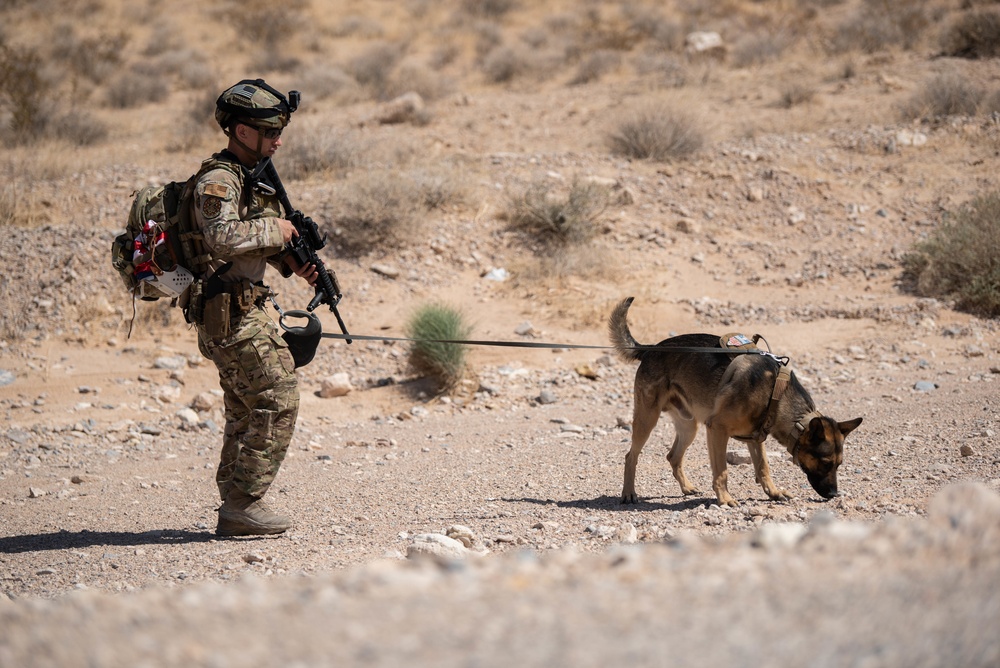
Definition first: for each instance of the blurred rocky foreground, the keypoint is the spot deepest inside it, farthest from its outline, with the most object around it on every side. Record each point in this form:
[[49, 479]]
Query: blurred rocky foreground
[[901, 592]]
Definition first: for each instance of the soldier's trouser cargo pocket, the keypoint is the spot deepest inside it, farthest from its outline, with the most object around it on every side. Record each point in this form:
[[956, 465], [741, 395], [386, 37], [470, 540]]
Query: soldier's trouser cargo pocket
[[217, 316]]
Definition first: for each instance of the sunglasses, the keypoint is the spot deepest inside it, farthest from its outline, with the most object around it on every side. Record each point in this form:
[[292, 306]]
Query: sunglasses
[[267, 133]]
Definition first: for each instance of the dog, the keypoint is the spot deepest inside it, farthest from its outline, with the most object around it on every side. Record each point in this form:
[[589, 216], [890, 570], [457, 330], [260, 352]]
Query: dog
[[746, 395]]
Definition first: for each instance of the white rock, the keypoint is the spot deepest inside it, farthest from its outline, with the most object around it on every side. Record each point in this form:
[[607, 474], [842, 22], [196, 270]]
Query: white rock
[[779, 535], [437, 545], [336, 385]]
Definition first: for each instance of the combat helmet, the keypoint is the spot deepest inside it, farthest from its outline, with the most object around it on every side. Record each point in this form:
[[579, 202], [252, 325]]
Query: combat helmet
[[254, 102]]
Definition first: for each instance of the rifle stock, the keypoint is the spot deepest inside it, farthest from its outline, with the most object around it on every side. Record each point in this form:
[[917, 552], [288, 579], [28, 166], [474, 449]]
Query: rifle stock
[[305, 245]]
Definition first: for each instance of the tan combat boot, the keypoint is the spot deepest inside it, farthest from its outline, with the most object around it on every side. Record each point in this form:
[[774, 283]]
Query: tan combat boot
[[245, 515]]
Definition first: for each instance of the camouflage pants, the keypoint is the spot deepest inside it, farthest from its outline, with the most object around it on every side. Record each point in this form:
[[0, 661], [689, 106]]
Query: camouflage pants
[[261, 397]]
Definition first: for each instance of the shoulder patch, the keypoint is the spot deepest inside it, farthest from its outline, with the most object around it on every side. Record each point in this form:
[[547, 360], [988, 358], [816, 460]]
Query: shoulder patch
[[211, 207], [216, 190]]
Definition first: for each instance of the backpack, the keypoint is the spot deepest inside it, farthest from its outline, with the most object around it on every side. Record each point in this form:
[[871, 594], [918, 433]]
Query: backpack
[[161, 252]]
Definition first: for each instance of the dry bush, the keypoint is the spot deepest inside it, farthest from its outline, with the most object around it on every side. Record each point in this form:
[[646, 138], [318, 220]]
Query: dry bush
[[133, 89], [80, 128], [959, 260], [375, 211], [9, 211], [944, 95], [373, 68], [759, 48], [329, 83], [973, 35], [669, 71], [503, 64], [555, 219], [416, 79], [95, 58], [266, 24], [595, 66], [23, 92], [794, 94], [881, 24], [358, 26], [487, 9], [316, 149], [654, 134], [439, 186]]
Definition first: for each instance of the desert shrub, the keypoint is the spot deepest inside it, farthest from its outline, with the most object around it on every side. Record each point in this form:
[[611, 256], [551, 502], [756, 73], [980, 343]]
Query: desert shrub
[[991, 104], [266, 23], [659, 135], [94, 58], [8, 205], [133, 89], [794, 94], [881, 24], [23, 91], [488, 9], [373, 67], [502, 65], [80, 128], [594, 66], [973, 35], [378, 210], [443, 362], [556, 219], [315, 149], [669, 71], [959, 261], [944, 95], [758, 48]]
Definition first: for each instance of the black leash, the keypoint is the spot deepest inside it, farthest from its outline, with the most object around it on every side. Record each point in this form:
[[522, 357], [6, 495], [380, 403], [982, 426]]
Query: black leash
[[554, 346]]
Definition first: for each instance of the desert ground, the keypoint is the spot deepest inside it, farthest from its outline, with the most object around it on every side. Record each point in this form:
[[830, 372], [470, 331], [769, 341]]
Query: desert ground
[[482, 526]]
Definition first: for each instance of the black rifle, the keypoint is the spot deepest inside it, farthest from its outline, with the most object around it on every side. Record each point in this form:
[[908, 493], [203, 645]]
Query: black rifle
[[303, 248]]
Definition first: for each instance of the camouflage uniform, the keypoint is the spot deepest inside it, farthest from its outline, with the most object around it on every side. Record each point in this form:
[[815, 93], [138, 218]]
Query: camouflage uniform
[[256, 370]]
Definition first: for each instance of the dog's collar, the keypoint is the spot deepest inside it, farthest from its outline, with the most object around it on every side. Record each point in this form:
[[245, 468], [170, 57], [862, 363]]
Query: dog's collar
[[799, 428]]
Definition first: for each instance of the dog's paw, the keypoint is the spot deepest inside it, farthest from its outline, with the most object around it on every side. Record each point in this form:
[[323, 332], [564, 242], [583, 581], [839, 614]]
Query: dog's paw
[[778, 494]]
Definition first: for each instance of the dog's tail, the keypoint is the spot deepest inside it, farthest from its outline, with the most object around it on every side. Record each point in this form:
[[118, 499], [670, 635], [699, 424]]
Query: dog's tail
[[621, 338]]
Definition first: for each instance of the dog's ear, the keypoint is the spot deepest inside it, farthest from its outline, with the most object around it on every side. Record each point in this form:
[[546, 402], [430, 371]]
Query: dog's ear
[[849, 426]]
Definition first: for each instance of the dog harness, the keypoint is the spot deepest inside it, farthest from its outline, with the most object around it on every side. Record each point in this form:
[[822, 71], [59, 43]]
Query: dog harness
[[759, 435]]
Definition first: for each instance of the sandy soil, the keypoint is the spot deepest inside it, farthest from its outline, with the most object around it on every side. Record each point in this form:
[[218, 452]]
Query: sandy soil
[[109, 442]]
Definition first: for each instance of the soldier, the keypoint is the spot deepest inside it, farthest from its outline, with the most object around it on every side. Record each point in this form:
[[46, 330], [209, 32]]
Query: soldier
[[244, 230]]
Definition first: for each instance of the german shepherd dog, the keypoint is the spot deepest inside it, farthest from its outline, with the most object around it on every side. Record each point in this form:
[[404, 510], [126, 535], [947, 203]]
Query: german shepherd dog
[[741, 395]]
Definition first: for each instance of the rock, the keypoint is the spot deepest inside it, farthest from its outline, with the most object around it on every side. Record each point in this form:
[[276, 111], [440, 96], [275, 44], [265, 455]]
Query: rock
[[203, 402], [586, 371], [404, 109], [336, 385], [189, 418], [172, 363], [498, 274], [705, 42], [36, 493], [925, 386], [438, 546], [547, 397], [462, 534], [6, 377], [738, 457], [385, 270], [524, 329], [967, 451]]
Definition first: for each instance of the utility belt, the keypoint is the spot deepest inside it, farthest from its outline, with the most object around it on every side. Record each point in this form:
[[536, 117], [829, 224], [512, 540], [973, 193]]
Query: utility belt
[[218, 306]]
